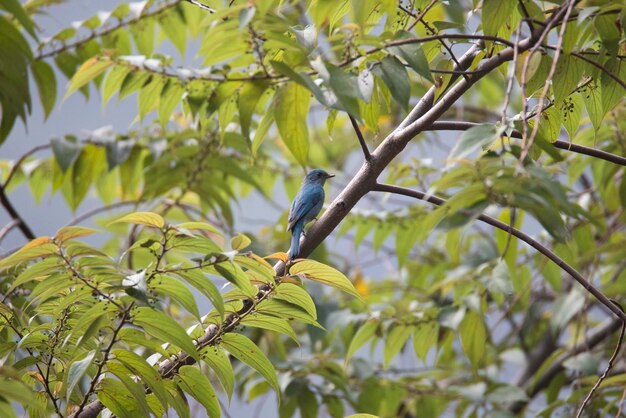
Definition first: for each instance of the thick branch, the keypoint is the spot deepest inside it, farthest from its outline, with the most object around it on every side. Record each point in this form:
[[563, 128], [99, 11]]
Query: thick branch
[[15, 216], [518, 234], [564, 145]]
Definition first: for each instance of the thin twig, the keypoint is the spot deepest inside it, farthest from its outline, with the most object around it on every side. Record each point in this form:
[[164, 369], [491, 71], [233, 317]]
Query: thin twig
[[609, 366], [519, 234], [101, 364], [8, 228], [202, 6], [20, 160], [100, 209], [97, 34], [359, 134]]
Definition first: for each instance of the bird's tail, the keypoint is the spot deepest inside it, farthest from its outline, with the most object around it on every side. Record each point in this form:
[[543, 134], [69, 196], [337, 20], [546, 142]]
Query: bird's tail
[[295, 240]]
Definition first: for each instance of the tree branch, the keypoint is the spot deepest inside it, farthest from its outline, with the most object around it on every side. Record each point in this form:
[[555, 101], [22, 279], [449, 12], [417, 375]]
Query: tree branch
[[564, 145], [519, 234], [15, 216], [359, 134]]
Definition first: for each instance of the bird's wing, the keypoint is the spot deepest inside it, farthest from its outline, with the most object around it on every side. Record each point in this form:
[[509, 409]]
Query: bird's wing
[[305, 201]]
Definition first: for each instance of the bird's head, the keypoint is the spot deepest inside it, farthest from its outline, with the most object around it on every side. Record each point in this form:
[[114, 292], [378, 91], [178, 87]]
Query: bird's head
[[317, 176]]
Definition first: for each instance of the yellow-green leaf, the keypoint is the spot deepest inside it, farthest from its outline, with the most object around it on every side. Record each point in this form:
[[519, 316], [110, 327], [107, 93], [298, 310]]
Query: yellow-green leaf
[[322, 273], [90, 69], [473, 337], [239, 242], [291, 106], [247, 352], [143, 218], [71, 232]]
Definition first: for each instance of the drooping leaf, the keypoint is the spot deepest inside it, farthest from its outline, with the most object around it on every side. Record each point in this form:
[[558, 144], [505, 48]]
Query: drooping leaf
[[247, 352], [46, 85], [163, 327], [291, 106], [143, 218], [473, 337], [395, 77], [194, 382], [76, 372], [322, 273], [90, 69], [394, 342], [364, 334]]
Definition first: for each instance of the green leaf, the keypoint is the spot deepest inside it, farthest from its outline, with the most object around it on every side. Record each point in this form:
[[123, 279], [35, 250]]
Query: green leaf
[[113, 82], [592, 96], [142, 218], [173, 25], [565, 307], [40, 247], [239, 242], [507, 394], [550, 124], [413, 54], [261, 132], [287, 310], [362, 416], [194, 382], [475, 138], [271, 323], [324, 274], [76, 372], [395, 77], [248, 100], [65, 151], [171, 95], [15, 8], [199, 225], [218, 361], [612, 91], [71, 232], [291, 106], [16, 391], [394, 342], [149, 96], [168, 286], [495, 13], [473, 335], [572, 112], [150, 377], [301, 78], [46, 85], [117, 397], [234, 274], [247, 352], [295, 294], [202, 283], [363, 335], [90, 69], [164, 328], [346, 89], [568, 74], [425, 336]]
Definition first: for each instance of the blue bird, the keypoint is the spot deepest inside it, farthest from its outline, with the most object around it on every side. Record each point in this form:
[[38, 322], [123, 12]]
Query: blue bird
[[306, 206]]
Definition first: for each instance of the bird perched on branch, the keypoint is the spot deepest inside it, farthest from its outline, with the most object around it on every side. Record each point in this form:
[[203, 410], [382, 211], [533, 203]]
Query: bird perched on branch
[[306, 206]]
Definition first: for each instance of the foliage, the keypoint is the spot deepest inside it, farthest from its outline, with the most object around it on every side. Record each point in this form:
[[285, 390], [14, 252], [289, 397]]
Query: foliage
[[462, 320]]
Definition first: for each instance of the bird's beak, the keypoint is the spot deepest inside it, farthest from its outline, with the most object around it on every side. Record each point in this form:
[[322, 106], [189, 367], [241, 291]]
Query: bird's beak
[[329, 176]]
